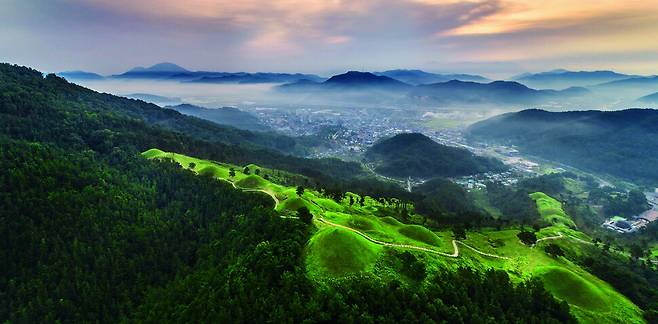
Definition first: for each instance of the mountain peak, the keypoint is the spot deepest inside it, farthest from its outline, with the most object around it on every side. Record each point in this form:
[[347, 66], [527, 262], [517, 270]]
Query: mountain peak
[[362, 78], [160, 67]]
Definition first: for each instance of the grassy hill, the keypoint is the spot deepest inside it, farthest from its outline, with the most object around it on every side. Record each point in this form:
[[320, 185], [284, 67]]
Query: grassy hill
[[551, 211], [354, 240], [416, 155]]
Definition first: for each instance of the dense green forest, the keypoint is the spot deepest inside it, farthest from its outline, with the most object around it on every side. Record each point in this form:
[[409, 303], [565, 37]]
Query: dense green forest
[[621, 143], [93, 232], [416, 155], [447, 203]]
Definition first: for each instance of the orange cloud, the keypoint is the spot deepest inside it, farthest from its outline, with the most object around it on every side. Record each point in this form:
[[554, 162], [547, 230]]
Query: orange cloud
[[522, 14]]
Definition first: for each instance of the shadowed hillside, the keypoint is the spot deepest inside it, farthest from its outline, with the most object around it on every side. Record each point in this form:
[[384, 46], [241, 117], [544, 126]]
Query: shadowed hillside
[[416, 155], [621, 143]]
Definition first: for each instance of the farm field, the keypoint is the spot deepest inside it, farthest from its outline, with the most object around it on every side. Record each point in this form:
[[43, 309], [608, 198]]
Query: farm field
[[361, 236]]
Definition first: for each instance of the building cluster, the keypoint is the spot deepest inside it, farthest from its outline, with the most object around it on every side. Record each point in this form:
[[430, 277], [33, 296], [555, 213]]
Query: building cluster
[[635, 223], [347, 132], [479, 181]]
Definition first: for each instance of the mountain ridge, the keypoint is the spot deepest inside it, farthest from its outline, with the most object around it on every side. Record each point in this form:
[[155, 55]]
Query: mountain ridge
[[418, 77], [228, 116], [613, 142]]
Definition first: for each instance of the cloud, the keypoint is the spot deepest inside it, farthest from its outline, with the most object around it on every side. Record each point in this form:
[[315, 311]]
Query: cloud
[[316, 35], [519, 15]]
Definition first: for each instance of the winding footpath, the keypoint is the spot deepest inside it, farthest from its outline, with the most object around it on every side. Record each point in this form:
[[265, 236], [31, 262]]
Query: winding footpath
[[404, 246], [276, 200], [562, 236], [455, 243]]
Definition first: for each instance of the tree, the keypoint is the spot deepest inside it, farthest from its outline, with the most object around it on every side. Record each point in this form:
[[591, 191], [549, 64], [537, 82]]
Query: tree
[[231, 173], [300, 191], [554, 250], [528, 238], [245, 170], [636, 251], [458, 232], [351, 201], [192, 165], [257, 171], [305, 215], [404, 213], [596, 241]]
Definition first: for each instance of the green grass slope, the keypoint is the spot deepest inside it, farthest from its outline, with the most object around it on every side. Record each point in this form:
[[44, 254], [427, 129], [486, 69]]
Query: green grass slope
[[339, 252], [551, 210], [420, 233], [574, 289], [355, 238]]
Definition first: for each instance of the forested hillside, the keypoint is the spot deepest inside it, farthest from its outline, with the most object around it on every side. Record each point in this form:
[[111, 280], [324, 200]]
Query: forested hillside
[[416, 155], [224, 116], [93, 232], [621, 143]]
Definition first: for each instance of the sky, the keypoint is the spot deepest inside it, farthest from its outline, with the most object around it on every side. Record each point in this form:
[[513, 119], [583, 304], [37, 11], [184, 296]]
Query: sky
[[491, 37]]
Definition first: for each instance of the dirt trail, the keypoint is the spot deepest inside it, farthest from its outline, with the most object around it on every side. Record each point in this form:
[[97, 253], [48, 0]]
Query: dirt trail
[[454, 254], [276, 200], [562, 236], [455, 243]]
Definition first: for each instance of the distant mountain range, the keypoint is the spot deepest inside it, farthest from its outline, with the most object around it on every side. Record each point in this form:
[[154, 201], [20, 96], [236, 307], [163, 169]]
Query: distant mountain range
[[651, 81], [628, 89], [622, 143], [650, 99], [413, 87], [558, 79], [418, 77], [497, 92], [157, 71], [252, 78], [154, 99], [80, 75], [224, 116], [170, 71], [418, 156], [159, 68], [450, 92], [350, 81]]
